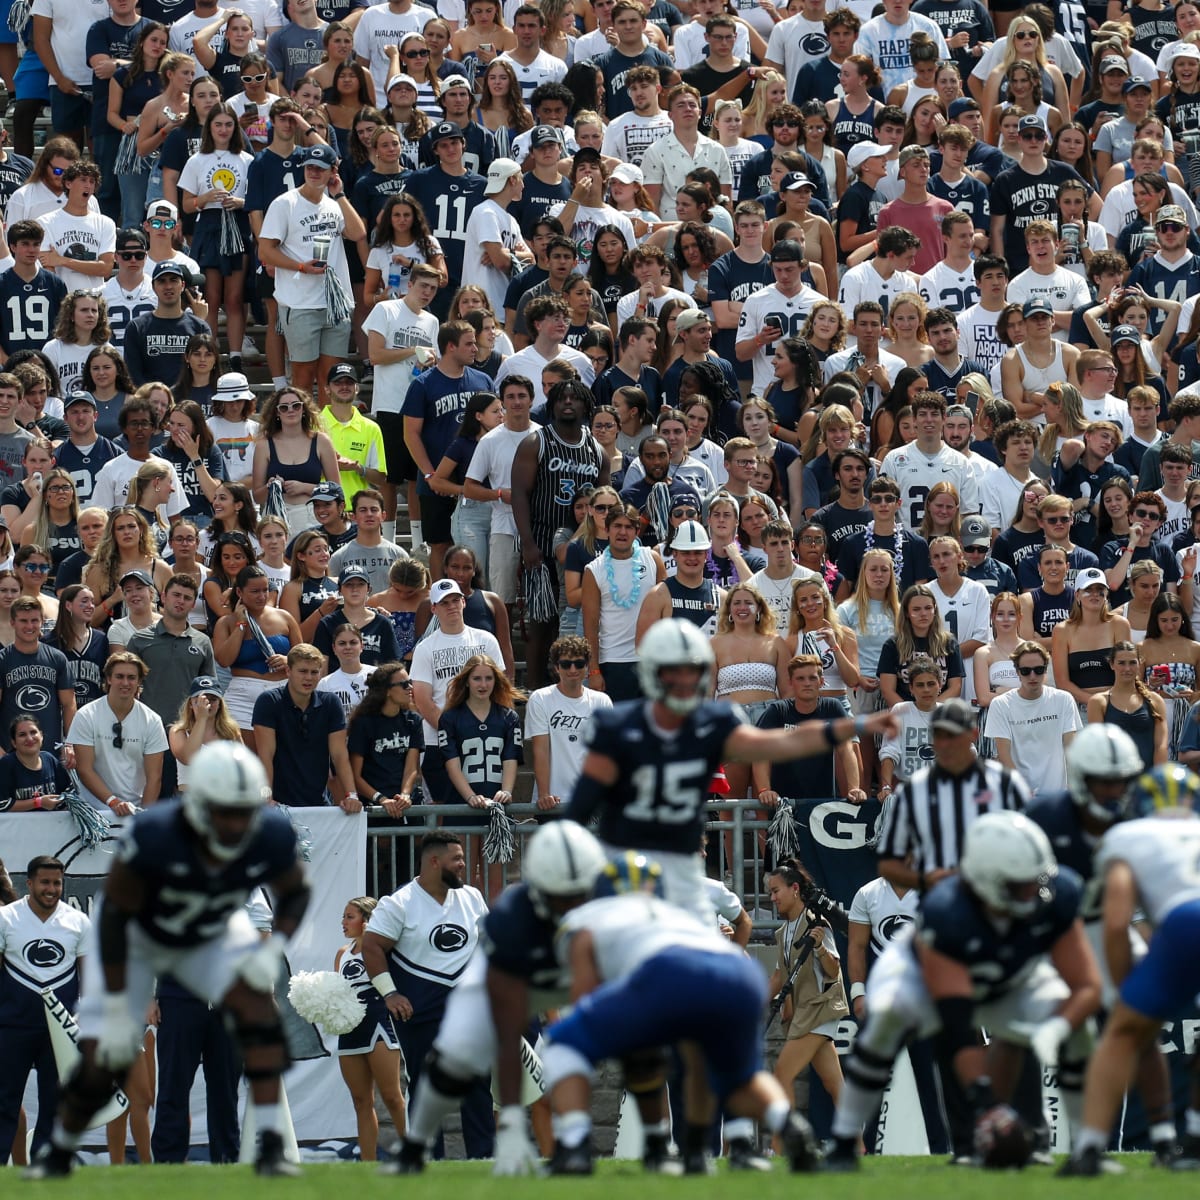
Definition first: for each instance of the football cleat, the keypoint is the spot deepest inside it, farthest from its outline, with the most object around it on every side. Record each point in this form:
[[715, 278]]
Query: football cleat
[[744, 1157], [270, 1160], [658, 1158], [843, 1158], [800, 1145], [572, 1160], [50, 1162], [408, 1158], [1090, 1163]]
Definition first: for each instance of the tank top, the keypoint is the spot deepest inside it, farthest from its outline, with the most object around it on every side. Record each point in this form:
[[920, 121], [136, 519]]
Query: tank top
[[1090, 669], [697, 605], [1038, 379], [477, 614], [914, 97], [850, 129], [1049, 611], [309, 471], [1003, 674], [405, 626], [562, 469], [1139, 724], [746, 677], [250, 655], [829, 666]]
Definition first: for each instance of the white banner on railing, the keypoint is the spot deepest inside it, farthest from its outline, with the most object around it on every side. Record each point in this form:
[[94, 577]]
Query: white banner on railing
[[320, 1102]]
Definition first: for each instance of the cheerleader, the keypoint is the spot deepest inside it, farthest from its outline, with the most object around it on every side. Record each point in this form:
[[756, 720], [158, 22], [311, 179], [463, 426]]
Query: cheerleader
[[369, 1055]]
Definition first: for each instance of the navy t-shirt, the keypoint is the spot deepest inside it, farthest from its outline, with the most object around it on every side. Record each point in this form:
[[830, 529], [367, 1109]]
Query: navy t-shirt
[[18, 782], [384, 743], [809, 778], [440, 401]]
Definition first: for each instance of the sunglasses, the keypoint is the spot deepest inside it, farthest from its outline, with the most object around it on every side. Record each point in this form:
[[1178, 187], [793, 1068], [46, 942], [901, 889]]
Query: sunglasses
[[36, 568], [785, 123], [1027, 671], [57, 170], [254, 78], [603, 508], [1032, 135], [406, 684], [131, 255], [687, 511], [416, 54], [1057, 520], [290, 406], [975, 549], [163, 222], [811, 541], [1171, 226], [118, 736], [1026, 34], [1144, 515], [883, 499], [572, 664]]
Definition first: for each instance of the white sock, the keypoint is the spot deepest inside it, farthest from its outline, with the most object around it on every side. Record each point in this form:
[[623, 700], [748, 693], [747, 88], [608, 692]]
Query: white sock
[[1163, 1131], [856, 1106], [1087, 1139], [267, 1117], [572, 1128], [417, 537], [389, 531], [279, 381], [775, 1118], [739, 1128], [1192, 1119], [63, 1139]]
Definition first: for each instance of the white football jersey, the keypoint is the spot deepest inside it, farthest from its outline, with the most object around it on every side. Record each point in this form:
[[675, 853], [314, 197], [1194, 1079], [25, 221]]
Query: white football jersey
[[432, 941], [876, 904], [944, 287], [1164, 856], [41, 954], [916, 473]]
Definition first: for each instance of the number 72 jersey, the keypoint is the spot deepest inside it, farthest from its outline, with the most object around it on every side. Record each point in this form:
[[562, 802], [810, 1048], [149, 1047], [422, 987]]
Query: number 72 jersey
[[658, 800]]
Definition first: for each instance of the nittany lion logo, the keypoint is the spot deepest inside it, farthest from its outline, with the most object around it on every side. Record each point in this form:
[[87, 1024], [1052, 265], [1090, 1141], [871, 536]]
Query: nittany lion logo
[[44, 953], [448, 938], [32, 698], [353, 970], [890, 927]]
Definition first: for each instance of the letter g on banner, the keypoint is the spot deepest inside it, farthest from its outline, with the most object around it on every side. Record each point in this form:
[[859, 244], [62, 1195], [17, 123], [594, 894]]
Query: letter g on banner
[[841, 826]]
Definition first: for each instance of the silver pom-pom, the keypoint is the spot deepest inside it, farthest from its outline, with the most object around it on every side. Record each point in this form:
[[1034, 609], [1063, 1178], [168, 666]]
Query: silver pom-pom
[[304, 837], [327, 999], [18, 16], [501, 840], [540, 605], [783, 834], [91, 824], [338, 305]]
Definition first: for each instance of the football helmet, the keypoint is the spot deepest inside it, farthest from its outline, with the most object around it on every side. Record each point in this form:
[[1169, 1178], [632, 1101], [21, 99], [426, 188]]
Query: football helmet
[[561, 859], [1167, 786], [224, 775], [1008, 863], [673, 643], [629, 873], [1102, 752]]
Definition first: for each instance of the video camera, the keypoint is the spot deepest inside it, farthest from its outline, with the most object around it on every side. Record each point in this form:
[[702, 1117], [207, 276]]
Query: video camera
[[823, 905]]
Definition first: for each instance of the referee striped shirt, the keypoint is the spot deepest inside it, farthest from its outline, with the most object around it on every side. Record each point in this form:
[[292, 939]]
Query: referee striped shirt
[[929, 815]]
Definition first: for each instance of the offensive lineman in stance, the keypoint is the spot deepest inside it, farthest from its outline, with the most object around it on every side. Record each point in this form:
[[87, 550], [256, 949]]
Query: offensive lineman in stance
[[173, 905]]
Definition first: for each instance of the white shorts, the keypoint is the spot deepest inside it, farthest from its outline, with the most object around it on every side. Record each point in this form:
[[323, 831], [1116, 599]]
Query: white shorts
[[207, 970], [241, 695]]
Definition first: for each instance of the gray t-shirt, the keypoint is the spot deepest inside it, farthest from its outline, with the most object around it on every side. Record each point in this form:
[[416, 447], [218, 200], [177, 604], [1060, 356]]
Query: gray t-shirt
[[12, 454], [293, 50], [377, 560]]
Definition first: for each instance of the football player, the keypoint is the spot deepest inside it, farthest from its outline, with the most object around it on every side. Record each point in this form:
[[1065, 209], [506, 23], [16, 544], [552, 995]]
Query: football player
[[1147, 864], [1000, 945], [649, 761], [173, 905]]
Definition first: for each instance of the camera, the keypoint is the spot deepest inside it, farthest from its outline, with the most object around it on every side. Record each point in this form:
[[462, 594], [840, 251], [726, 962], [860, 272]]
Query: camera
[[822, 904]]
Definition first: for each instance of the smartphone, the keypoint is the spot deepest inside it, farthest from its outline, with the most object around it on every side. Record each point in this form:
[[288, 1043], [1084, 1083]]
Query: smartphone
[[973, 402], [251, 110]]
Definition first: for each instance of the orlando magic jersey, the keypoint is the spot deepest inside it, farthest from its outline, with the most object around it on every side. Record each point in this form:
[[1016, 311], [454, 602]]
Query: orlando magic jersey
[[562, 469], [38, 955]]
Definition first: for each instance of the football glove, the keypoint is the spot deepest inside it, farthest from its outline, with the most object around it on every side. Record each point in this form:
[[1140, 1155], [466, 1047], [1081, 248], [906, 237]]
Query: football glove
[[515, 1154], [120, 1035]]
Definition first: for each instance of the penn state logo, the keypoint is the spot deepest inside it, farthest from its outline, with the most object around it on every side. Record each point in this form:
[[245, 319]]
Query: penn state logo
[[890, 927], [44, 953], [32, 698], [353, 970], [448, 938], [925, 753], [814, 45], [1040, 208]]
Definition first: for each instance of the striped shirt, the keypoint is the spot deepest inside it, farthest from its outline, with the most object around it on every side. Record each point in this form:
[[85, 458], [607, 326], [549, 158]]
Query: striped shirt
[[562, 469], [930, 813]]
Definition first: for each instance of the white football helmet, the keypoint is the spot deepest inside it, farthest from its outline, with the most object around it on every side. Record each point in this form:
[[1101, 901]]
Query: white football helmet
[[1102, 752], [561, 859], [673, 643], [1006, 855], [224, 775]]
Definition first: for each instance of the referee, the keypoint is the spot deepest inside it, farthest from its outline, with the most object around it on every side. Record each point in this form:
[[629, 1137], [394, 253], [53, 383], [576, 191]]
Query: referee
[[921, 837]]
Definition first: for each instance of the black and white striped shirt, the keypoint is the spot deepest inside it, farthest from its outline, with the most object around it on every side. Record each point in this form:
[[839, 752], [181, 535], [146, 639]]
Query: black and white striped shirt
[[929, 815]]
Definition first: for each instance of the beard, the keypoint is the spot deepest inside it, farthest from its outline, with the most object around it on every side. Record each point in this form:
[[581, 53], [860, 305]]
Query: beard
[[450, 879]]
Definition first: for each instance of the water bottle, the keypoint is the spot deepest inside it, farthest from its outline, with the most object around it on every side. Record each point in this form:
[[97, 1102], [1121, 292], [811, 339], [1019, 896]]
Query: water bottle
[[393, 281]]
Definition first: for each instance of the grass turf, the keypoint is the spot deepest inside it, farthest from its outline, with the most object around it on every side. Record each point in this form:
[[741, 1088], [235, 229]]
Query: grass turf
[[893, 1178]]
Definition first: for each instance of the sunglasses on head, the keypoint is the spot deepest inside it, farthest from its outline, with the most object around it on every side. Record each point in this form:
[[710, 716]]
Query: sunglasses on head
[[1038, 670], [163, 222], [131, 255]]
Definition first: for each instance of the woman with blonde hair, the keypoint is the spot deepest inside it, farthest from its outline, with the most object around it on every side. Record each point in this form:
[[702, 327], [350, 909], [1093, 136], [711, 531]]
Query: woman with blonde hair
[[203, 718], [815, 628], [770, 91], [149, 491], [311, 593], [1080, 646], [906, 336], [810, 477], [1023, 43], [10, 590], [992, 666], [751, 663], [1065, 419], [127, 545], [50, 518], [919, 630], [293, 448], [482, 40], [407, 590], [943, 516]]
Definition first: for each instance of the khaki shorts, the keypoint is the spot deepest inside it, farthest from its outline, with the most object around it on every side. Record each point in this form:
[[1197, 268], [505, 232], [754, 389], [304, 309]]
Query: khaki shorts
[[504, 561]]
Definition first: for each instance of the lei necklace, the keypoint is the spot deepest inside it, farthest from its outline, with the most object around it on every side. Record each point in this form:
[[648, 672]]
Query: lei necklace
[[610, 576], [897, 554]]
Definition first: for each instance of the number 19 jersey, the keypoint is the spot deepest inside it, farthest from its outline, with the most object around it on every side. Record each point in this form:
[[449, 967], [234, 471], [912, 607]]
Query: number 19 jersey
[[29, 311]]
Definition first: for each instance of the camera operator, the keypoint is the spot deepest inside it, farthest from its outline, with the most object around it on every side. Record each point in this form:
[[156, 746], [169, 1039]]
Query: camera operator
[[808, 957]]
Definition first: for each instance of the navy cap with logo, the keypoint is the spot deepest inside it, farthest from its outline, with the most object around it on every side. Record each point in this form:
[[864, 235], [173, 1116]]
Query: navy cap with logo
[[342, 370], [170, 267], [446, 129], [353, 571], [321, 156], [1035, 307], [1031, 121], [543, 135], [138, 576], [204, 685], [80, 398], [326, 491]]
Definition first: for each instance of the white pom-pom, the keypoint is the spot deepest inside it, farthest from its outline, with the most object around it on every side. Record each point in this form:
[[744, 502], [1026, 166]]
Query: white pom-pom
[[326, 999]]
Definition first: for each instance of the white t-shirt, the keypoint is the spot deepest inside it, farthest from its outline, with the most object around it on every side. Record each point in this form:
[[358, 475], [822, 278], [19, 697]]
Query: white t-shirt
[[68, 359], [183, 36], [1119, 209], [438, 658], [380, 258], [349, 689], [84, 238], [491, 466], [916, 472], [689, 48], [70, 22], [977, 337], [378, 27], [399, 326], [864, 282], [629, 136], [1063, 288], [545, 68], [489, 223], [235, 440], [295, 222], [1109, 408], [219, 171], [561, 719], [911, 748], [627, 305], [119, 632], [123, 770], [1059, 52], [999, 495], [778, 593], [795, 42], [530, 363], [112, 485], [1034, 730]]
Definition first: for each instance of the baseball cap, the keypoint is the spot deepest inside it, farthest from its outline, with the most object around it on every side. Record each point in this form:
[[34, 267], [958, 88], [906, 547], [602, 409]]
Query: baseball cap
[[1125, 333], [1090, 577], [543, 135], [170, 267], [1170, 212], [327, 491], [795, 181], [628, 173], [204, 685], [341, 370], [954, 716], [587, 154], [975, 531], [963, 104], [691, 535], [353, 571], [321, 156], [138, 576], [911, 152], [1133, 83], [442, 589], [1031, 121], [80, 398], [1114, 62], [861, 151], [681, 493], [1034, 307], [446, 129], [689, 319], [163, 210], [132, 239], [452, 81], [406, 80], [232, 386], [1184, 50], [499, 173], [788, 250]]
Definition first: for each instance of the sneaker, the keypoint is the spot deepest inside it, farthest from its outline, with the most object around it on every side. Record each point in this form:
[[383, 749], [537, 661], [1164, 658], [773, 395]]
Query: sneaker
[[658, 1158], [965, 1160], [1090, 1163], [249, 350], [1187, 1157], [572, 1160], [50, 1162], [699, 1162], [408, 1158], [270, 1160], [744, 1157], [843, 1157], [800, 1145], [1166, 1154]]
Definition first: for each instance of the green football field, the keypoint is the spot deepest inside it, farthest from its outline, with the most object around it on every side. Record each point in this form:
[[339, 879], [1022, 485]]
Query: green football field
[[888, 1179]]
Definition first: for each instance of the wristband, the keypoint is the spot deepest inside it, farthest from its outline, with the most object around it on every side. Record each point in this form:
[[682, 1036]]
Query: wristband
[[383, 984], [857, 989], [37, 801], [860, 724], [827, 730], [376, 798], [112, 800]]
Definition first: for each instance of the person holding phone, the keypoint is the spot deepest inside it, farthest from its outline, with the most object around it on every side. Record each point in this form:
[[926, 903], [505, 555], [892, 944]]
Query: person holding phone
[[155, 342]]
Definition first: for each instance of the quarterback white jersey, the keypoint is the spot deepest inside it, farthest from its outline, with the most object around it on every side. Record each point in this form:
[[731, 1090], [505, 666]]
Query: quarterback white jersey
[[916, 472], [876, 904], [1164, 856]]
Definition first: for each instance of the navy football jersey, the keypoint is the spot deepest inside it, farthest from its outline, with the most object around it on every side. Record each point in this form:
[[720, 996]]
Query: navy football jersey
[[953, 922], [28, 311], [448, 201], [83, 468], [481, 747], [658, 800], [1058, 815], [518, 942], [186, 901]]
